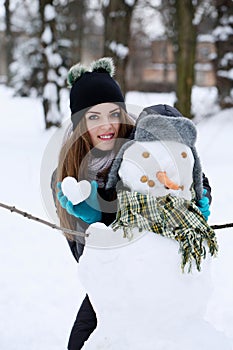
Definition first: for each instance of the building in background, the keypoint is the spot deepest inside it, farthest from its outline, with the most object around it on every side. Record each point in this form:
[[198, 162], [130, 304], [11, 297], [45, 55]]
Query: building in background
[[160, 73], [152, 69]]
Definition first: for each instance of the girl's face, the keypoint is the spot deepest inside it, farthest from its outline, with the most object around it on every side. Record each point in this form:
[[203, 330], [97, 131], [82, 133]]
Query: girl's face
[[103, 124]]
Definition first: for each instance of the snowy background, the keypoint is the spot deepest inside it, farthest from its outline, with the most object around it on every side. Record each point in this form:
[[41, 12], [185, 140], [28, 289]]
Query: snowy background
[[40, 289]]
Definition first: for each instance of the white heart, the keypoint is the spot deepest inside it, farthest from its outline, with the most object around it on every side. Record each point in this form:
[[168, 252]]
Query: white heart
[[75, 191]]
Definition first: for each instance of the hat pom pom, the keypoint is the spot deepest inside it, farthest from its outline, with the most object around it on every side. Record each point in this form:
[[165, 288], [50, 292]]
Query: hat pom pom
[[75, 73], [103, 65]]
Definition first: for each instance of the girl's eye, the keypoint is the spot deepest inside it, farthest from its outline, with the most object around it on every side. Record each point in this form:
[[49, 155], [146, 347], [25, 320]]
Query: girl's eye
[[116, 115], [93, 117]]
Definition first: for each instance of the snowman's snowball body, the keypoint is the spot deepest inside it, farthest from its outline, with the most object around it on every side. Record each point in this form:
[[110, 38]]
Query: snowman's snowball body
[[137, 288]]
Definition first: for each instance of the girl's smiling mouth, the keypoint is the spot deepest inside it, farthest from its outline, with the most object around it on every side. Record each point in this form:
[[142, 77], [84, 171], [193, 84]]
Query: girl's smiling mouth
[[106, 137]]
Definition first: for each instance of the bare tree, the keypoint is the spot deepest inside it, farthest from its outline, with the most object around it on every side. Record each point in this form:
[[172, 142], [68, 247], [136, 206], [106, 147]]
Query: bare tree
[[117, 18], [223, 34]]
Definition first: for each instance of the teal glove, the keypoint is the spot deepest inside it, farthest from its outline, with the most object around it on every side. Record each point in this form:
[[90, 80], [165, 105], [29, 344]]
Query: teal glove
[[204, 205], [88, 210]]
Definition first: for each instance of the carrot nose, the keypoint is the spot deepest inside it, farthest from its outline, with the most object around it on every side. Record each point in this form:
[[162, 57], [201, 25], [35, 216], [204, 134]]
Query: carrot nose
[[168, 183]]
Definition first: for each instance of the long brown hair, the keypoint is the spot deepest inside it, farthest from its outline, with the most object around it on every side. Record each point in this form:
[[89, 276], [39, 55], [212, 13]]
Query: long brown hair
[[73, 160]]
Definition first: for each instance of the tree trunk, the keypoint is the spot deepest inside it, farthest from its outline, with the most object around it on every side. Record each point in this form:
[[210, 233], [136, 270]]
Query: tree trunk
[[50, 65], [74, 18], [117, 17], [9, 38], [80, 20], [185, 55], [223, 63]]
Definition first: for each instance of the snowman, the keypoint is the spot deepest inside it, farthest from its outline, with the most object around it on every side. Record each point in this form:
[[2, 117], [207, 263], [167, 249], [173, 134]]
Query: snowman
[[148, 274]]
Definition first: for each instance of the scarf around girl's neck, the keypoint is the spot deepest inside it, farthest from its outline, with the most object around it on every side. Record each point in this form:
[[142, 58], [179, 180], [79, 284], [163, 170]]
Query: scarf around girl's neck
[[169, 216], [99, 161]]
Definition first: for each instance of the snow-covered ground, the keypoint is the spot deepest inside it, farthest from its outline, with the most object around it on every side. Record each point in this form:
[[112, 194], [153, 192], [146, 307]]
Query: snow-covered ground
[[40, 290]]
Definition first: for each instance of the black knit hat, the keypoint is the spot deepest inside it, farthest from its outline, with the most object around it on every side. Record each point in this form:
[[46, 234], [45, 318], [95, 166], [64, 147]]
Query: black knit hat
[[92, 87]]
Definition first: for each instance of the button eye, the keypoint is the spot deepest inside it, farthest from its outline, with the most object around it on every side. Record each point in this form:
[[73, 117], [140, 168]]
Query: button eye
[[184, 154], [151, 183], [146, 154], [144, 179]]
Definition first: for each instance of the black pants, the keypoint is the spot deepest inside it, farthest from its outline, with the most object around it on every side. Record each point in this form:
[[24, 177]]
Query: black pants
[[84, 325]]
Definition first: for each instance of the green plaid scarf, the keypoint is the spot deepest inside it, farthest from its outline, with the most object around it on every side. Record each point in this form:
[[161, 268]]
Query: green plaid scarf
[[171, 217]]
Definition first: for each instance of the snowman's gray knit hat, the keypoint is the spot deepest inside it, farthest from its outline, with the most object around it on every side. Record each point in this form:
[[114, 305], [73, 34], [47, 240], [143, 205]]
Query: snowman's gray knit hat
[[162, 109], [157, 127]]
